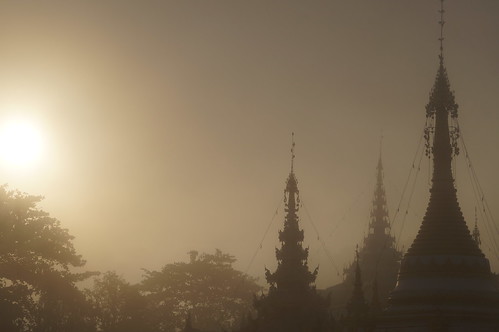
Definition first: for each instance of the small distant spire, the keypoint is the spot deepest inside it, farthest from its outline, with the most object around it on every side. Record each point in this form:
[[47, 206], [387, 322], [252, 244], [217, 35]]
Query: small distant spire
[[441, 22], [357, 306], [292, 150], [358, 277]]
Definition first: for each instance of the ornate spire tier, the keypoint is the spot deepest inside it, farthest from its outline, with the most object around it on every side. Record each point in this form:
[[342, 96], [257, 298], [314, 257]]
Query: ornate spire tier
[[444, 230], [379, 237], [292, 272], [292, 303], [378, 257]]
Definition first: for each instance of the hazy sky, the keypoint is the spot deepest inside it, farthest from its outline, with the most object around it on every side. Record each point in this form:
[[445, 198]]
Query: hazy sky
[[167, 124]]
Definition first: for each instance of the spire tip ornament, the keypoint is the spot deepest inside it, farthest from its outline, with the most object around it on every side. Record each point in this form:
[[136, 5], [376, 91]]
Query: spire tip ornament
[[292, 150], [441, 39], [381, 144]]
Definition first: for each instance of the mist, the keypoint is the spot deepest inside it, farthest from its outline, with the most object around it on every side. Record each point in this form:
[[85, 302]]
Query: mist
[[168, 124]]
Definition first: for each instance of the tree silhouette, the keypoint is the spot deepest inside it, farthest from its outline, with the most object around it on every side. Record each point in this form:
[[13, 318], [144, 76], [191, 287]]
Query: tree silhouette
[[216, 295], [37, 286], [118, 306]]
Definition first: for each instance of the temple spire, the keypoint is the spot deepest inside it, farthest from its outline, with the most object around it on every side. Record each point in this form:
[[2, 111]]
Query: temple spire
[[378, 257], [441, 22], [292, 272], [381, 145], [357, 306], [379, 225], [292, 151], [444, 276], [292, 303], [444, 230]]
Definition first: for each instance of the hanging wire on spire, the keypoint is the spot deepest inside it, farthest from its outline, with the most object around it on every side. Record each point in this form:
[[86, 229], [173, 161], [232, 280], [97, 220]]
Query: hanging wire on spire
[[323, 244], [260, 244], [292, 150], [441, 22]]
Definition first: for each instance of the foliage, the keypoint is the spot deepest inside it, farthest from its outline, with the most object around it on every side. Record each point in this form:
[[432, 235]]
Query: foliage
[[118, 306], [208, 287], [38, 290], [37, 287]]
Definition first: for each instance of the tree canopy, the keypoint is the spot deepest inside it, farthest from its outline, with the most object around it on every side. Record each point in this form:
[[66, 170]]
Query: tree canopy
[[39, 293], [208, 287], [117, 305], [37, 285]]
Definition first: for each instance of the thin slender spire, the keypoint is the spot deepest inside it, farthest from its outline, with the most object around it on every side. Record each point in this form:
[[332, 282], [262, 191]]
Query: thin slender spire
[[441, 22], [381, 145], [357, 306], [292, 150]]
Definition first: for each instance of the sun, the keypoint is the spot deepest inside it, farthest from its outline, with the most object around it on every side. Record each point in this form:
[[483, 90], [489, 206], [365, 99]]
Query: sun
[[21, 143]]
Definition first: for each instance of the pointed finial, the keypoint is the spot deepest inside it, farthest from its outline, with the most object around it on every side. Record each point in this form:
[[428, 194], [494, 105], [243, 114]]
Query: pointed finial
[[292, 150], [381, 144], [441, 22]]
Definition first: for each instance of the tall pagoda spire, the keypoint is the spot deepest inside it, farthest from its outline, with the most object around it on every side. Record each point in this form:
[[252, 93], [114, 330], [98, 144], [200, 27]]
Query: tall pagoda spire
[[444, 274], [378, 257], [292, 304], [291, 257], [444, 229], [379, 225]]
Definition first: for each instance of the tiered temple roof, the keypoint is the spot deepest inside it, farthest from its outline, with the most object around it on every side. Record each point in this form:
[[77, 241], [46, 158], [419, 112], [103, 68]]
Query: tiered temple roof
[[379, 260], [444, 280], [292, 303]]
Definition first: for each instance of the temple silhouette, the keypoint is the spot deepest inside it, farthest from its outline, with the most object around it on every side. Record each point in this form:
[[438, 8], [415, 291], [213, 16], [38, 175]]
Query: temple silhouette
[[292, 303], [445, 282], [377, 261], [442, 283]]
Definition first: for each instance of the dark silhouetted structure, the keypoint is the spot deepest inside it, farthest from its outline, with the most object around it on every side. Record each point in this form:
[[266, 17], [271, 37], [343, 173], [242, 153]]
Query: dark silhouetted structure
[[357, 310], [445, 282], [379, 260], [292, 303]]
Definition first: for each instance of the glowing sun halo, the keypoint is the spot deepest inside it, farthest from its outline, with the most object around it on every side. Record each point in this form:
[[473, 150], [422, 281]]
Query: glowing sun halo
[[20, 143]]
